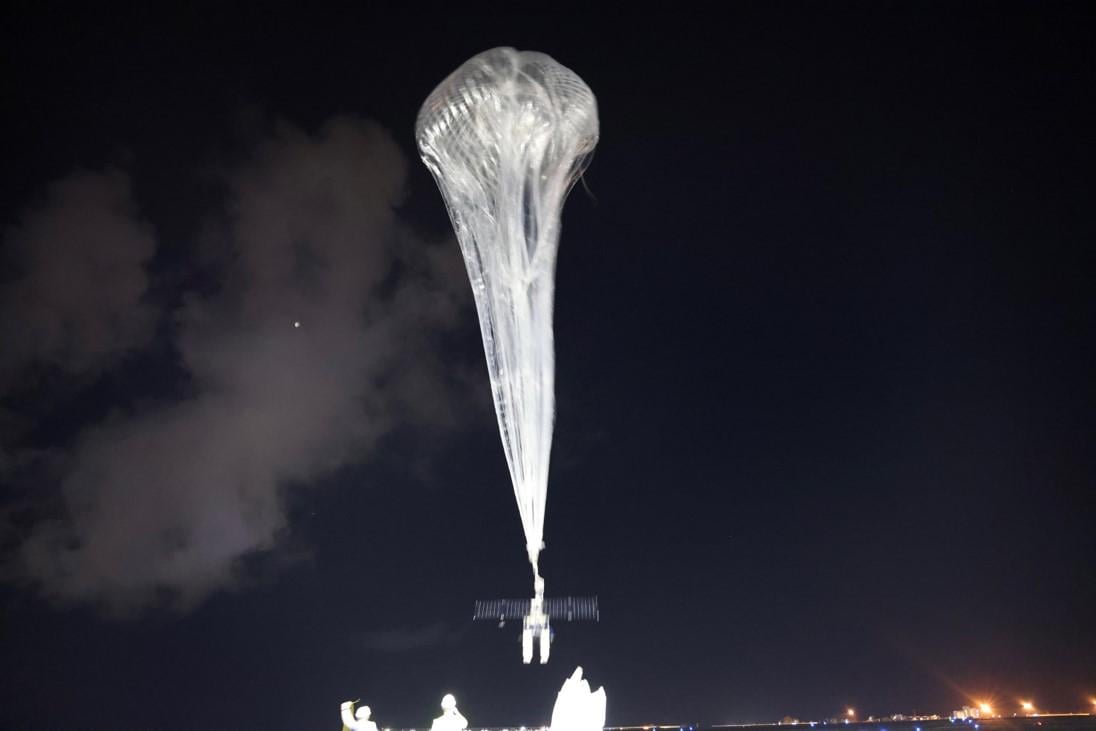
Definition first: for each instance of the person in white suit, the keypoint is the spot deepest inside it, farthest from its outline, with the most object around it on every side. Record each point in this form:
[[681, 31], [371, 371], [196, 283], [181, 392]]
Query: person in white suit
[[450, 718], [357, 720]]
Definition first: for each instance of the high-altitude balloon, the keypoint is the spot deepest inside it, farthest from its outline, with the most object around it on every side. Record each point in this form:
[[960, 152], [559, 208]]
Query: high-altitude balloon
[[506, 136]]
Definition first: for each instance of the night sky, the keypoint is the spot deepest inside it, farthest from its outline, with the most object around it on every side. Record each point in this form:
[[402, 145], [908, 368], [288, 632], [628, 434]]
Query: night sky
[[826, 403]]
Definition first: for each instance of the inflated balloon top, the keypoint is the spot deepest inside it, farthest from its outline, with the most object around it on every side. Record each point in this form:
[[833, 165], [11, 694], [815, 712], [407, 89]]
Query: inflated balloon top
[[508, 117], [506, 136]]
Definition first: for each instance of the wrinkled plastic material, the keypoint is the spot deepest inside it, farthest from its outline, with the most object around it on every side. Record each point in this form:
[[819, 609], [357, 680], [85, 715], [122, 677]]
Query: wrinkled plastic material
[[577, 707], [506, 136]]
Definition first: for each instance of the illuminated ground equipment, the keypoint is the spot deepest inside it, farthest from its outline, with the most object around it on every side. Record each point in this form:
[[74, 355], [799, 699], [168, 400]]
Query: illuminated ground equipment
[[506, 136], [536, 615]]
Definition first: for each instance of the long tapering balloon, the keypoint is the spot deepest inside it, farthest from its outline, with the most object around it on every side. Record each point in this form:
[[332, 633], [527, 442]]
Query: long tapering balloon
[[506, 136]]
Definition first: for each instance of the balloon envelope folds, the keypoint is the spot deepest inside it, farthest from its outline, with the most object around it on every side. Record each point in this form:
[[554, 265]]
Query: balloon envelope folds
[[506, 136]]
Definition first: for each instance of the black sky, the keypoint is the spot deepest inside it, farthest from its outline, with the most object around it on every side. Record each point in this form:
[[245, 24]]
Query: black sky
[[825, 356]]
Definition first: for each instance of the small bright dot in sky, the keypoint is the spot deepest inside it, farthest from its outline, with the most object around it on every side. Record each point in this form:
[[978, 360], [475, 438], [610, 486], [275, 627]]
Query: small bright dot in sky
[[296, 323]]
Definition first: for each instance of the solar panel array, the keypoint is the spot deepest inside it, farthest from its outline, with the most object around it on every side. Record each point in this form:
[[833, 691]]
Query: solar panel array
[[564, 609]]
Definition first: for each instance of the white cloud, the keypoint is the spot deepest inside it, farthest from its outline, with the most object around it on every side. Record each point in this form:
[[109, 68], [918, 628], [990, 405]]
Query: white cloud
[[167, 501]]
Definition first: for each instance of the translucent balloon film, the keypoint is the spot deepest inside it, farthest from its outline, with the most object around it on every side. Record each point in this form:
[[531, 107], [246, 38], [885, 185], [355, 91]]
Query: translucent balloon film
[[506, 136]]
